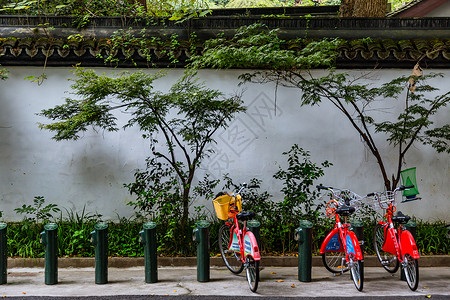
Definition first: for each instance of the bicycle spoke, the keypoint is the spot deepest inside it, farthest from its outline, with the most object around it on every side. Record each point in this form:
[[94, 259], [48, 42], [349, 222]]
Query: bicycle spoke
[[230, 257], [411, 269], [252, 270], [357, 273], [388, 260]]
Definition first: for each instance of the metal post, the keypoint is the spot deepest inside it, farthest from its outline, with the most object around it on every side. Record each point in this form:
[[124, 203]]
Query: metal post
[[254, 227], [49, 238], [100, 240], [148, 239], [3, 253], [411, 226], [303, 235], [357, 226], [201, 236]]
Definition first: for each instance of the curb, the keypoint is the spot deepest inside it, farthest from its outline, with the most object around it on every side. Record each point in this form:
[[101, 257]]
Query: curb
[[267, 261]]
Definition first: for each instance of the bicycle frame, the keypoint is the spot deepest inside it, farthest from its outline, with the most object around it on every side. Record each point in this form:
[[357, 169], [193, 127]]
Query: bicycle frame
[[339, 233], [398, 241], [243, 241]]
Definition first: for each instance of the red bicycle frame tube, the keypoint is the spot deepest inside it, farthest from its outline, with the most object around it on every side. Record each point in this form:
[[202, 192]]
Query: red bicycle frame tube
[[245, 241], [347, 241]]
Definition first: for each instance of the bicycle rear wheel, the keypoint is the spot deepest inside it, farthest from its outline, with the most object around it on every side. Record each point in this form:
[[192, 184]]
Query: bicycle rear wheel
[[411, 271], [357, 272], [388, 260], [230, 257], [252, 273]]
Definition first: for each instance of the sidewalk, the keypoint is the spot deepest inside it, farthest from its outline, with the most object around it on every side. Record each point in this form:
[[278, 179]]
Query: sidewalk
[[275, 281]]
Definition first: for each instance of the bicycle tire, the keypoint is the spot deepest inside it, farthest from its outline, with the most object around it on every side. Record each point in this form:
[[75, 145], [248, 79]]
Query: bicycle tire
[[332, 261], [388, 260], [230, 258], [252, 272], [411, 271], [357, 273]]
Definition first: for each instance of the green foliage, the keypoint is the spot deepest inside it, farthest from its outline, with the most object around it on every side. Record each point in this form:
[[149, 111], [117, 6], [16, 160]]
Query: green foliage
[[277, 230], [298, 185], [355, 100], [157, 192], [276, 61], [199, 111], [432, 237], [38, 212], [81, 8], [257, 3], [413, 124], [3, 74], [257, 47]]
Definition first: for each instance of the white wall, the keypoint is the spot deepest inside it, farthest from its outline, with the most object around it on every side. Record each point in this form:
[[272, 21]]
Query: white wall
[[92, 170]]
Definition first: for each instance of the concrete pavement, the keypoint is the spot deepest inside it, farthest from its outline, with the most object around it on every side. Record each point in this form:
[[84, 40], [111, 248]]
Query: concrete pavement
[[181, 281]]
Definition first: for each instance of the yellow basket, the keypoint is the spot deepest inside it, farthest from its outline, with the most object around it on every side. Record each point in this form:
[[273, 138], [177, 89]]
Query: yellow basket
[[223, 204]]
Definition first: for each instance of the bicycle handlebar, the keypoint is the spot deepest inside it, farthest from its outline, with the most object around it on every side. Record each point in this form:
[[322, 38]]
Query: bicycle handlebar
[[322, 187], [406, 187], [387, 198], [400, 188], [344, 196], [244, 185]]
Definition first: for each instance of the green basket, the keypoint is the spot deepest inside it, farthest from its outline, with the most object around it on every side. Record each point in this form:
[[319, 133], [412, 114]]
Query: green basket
[[409, 178]]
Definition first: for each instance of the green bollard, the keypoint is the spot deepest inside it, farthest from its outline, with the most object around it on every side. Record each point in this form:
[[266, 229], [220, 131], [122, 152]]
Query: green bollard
[[303, 235], [254, 227], [100, 240], [148, 239], [49, 238], [357, 226], [201, 236], [3, 253], [411, 226]]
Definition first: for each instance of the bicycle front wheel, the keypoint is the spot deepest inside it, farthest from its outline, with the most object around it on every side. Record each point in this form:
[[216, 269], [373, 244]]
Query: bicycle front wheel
[[252, 273], [388, 260], [411, 271], [357, 272], [230, 257], [334, 262]]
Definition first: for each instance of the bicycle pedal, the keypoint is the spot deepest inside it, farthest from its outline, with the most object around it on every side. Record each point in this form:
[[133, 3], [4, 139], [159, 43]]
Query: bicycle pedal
[[337, 274], [385, 263]]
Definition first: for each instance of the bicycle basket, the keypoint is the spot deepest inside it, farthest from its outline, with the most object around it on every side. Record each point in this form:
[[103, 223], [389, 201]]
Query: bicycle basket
[[224, 203], [353, 198], [384, 200]]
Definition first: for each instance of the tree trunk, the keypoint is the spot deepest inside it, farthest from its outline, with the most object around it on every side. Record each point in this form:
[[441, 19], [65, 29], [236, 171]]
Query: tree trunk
[[347, 7], [363, 8]]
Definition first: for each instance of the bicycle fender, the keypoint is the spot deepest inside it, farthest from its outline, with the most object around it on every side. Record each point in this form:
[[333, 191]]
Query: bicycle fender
[[409, 245], [353, 245], [251, 246], [390, 241], [331, 242]]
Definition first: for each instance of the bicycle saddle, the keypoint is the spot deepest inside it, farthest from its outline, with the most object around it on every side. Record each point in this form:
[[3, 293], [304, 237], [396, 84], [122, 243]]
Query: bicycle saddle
[[400, 218], [345, 210], [245, 215]]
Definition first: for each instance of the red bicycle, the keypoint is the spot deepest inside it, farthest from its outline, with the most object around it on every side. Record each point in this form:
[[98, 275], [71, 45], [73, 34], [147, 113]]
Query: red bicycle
[[341, 250], [394, 245], [238, 246]]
